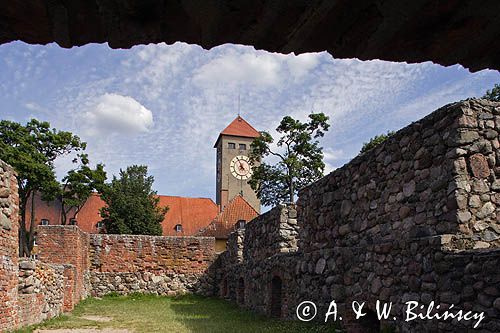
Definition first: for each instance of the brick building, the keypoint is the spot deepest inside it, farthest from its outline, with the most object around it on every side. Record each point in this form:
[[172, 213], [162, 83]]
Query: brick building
[[236, 204]]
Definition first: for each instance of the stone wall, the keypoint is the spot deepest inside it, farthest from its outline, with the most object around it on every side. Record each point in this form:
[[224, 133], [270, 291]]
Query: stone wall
[[271, 233], [41, 291], [151, 264], [9, 208], [263, 251], [414, 219]]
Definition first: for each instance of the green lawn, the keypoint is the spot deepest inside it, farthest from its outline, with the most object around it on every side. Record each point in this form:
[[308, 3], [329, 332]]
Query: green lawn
[[188, 313]]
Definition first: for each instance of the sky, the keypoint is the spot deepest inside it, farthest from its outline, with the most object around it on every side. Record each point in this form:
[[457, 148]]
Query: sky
[[164, 105]]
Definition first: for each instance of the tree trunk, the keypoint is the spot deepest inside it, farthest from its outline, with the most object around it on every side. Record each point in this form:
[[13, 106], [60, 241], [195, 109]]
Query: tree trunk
[[23, 247], [32, 225]]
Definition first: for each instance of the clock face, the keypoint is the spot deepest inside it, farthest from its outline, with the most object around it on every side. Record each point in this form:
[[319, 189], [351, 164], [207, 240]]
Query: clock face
[[240, 167]]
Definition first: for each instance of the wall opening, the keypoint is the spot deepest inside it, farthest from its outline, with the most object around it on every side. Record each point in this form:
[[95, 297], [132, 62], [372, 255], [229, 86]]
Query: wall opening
[[369, 323], [276, 297], [241, 291], [224, 288]]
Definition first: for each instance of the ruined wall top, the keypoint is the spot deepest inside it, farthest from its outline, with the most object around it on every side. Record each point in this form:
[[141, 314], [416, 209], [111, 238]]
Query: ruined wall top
[[439, 175]]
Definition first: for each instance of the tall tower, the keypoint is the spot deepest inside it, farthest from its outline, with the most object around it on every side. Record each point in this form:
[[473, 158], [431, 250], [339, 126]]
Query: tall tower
[[233, 168]]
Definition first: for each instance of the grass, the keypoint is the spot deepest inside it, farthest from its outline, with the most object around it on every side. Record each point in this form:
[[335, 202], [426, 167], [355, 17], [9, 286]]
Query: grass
[[188, 313]]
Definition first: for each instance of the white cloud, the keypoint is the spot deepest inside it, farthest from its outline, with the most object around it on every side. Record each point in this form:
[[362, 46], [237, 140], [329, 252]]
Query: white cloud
[[115, 113], [248, 68], [303, 63], [255, 68]]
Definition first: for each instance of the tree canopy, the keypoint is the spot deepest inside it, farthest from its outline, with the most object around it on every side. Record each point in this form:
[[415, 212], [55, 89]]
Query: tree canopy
[[375, 141], [299, 159], [493, 94], [32, 149], [132, 205], [78, 185]]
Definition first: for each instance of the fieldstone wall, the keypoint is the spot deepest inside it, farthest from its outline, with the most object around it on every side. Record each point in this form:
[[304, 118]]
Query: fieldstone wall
[[9, 212], [263, 251], [272, 233], [151, 264], [414, 219], [436, 176], [41, 291]]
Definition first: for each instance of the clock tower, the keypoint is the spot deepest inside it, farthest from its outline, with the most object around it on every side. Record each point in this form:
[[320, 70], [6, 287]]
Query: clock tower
[[233, 167]]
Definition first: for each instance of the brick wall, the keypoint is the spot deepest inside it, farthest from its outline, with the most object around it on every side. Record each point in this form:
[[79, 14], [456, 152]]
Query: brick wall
[[9, 212], [69, 246], [155, 264]]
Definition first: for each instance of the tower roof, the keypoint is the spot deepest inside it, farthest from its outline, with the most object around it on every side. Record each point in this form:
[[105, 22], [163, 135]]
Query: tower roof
[[239, 127]]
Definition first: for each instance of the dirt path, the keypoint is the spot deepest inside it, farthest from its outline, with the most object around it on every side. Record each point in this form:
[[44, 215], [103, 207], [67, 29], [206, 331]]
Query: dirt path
[[88, 330]]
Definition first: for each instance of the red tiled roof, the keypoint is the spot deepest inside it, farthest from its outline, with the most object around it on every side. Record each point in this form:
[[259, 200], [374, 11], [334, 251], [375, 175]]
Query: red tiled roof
[[237, 209], [192, 213], [239, 127]]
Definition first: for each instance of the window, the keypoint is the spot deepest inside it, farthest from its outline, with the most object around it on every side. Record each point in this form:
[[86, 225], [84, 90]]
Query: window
[[243, 146], [72, 221], [241, 224], [44, 222], [100, 225], [231, 145], [178, 228]]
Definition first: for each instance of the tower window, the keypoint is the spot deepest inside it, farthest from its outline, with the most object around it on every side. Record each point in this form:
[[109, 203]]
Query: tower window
[[241, 224], [231, 145], [178, 228], [72, 221], [243, 146], [44, 222]]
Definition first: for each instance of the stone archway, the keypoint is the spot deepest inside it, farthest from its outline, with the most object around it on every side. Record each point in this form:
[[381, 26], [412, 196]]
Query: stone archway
[[276, 297]]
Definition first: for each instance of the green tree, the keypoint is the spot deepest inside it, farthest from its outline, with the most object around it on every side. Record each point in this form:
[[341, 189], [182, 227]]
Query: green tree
[[375, 141], [493, 94], [32, 149], [299, 159], [132, 205], [78, 185]]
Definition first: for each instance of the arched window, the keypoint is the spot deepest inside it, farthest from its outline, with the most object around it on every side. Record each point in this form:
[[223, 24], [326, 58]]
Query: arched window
[[178, 228], [44, 222]]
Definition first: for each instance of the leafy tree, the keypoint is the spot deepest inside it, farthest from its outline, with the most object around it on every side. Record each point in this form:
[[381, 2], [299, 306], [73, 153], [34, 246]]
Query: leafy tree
[[300, 159], [375, 141], [132, 205], [493, 94], [32, 149], [78, 185]]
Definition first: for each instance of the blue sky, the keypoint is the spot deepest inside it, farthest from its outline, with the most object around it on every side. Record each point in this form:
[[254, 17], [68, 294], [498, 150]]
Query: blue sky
[[164, 105]]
